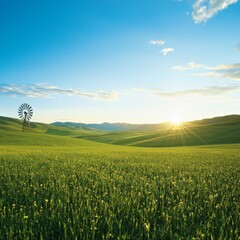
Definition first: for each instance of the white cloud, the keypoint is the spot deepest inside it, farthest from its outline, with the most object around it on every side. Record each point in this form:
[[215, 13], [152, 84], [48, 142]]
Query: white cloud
[[45, 91], [208, 91], [231, 74], [193, 65], [203, 10], [235, 75], [207, 75], [188, 66], [157, 42], [166, 51], [225, 67], [228, 71]]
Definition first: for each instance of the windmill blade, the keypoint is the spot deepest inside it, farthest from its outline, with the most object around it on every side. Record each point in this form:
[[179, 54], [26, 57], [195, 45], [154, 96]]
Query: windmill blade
[[25, 112], [30, 113]]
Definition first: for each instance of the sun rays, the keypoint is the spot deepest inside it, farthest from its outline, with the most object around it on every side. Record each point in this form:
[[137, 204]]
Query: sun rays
[[183, 132], [176, 120]]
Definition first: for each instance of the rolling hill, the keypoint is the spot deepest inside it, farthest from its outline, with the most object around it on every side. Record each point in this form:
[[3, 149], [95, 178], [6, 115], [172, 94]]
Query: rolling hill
[[13, 124], [113, 126], [102, 126], [41, 134], [143, 127], [218, 130]]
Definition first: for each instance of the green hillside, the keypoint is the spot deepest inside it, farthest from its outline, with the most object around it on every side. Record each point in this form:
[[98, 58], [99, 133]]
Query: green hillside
[[219, 130], [13, 124], [42, 135], [111, 127]]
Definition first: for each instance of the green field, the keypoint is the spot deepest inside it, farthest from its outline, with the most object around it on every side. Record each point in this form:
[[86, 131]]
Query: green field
[[63, 187], [219, 130], [223, 130]]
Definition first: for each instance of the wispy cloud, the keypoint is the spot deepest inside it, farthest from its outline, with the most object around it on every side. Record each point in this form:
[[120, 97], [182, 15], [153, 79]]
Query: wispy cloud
[[203, 10], [229, 71], [188, 66], [225, 67], [46, 91], [230, 74], [238, 47], [157, 42], [166, 51], [208, 91], [193, 65], [235, 75], [160, 42], [207, 75]]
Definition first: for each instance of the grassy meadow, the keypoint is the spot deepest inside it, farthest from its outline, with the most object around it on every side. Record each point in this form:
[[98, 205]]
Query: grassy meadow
[[63, 187]]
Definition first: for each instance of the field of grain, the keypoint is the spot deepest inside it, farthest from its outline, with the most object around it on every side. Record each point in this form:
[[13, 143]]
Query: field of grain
[[120, 193]]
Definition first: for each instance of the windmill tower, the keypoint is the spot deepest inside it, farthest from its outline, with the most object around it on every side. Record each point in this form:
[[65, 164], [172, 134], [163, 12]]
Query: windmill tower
[[25, 113]]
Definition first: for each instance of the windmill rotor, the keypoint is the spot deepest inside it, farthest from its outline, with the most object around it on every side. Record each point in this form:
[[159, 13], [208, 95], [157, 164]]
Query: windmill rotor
[[25, 113]]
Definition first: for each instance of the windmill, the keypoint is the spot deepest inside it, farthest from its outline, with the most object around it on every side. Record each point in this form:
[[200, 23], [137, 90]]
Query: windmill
[[25, 113]]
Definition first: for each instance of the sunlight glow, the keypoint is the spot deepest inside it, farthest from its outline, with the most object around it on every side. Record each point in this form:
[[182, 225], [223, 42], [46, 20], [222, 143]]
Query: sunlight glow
[[176, 120]]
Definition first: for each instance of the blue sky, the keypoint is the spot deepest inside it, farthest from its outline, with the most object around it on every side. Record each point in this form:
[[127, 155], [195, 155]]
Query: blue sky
[[142, 61]]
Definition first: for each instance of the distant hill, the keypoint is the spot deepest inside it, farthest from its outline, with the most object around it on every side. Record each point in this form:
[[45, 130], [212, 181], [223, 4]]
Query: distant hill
[[13, 124], [218, 120], [41, 135], [144, 127], [112, 126], [102, 126], [218, 130]]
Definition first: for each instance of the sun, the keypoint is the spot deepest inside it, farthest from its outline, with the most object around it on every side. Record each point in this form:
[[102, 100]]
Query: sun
[[176, 120]]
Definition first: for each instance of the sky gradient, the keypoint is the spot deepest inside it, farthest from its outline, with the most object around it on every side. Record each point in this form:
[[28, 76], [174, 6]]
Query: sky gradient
[[144, 61]]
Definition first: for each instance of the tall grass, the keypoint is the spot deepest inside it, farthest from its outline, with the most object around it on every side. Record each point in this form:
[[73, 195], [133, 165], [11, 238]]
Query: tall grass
[[170, 194]]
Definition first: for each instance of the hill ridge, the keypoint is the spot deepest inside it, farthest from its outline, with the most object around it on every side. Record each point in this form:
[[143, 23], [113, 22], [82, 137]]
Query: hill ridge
[[217, 130], [120, 126]]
